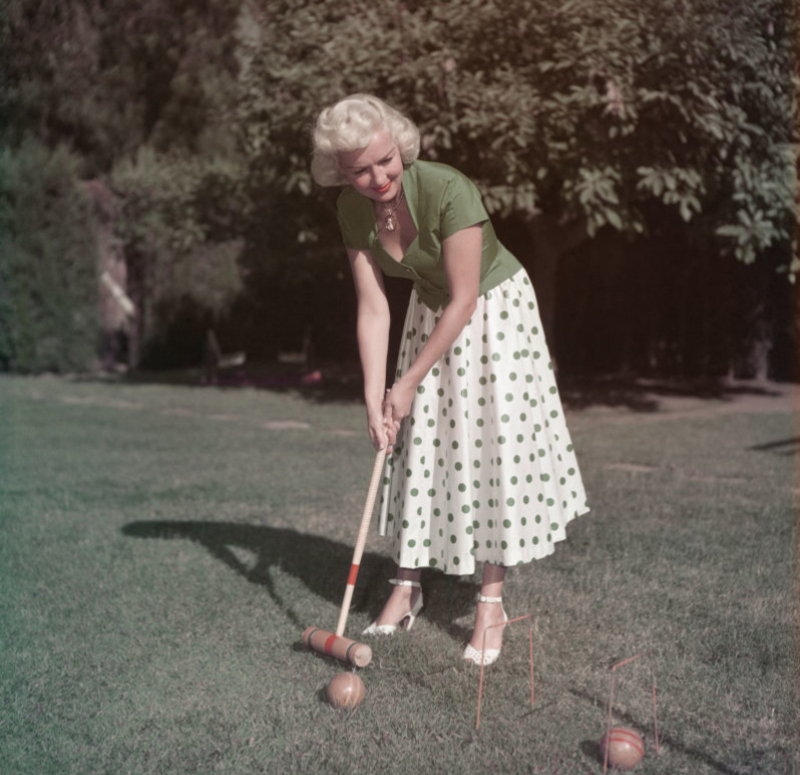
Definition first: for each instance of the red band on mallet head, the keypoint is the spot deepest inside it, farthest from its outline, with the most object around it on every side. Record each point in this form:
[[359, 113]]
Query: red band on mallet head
[[329, 644]]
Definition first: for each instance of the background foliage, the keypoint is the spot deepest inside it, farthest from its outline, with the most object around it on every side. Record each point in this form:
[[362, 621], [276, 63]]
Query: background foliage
[[48, 278], [659, 136]]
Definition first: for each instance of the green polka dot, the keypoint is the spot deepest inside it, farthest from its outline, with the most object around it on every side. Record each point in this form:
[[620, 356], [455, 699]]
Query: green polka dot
[[417, 440], [506, 523], [501, 439], [504, 315], [456, 560], [496, 357], [452, 539], [412, 543], [405, 524]]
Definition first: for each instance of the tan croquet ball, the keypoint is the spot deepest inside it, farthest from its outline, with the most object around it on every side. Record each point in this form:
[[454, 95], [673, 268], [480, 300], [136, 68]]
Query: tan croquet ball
[[346, 690], [625, 748]]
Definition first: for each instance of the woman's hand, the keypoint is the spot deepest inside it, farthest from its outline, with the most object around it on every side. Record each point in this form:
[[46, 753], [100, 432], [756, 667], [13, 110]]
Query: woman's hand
[[397, 404], [381, 434]]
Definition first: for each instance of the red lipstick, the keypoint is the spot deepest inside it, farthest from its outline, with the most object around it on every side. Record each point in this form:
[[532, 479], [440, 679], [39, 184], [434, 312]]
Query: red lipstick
[[383, 189]]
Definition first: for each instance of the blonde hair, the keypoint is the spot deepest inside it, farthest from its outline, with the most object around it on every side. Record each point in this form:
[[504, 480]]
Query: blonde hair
[[351, 124]]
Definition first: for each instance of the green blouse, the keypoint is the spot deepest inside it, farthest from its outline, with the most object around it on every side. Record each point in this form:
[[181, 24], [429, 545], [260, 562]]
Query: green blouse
[[441, 202]]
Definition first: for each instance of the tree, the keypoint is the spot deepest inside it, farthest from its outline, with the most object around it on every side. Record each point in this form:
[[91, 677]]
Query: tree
[[49, 311], [573, 117]]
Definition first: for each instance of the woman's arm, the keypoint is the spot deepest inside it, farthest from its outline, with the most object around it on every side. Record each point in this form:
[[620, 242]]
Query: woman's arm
[[372, 331], [461, 253]]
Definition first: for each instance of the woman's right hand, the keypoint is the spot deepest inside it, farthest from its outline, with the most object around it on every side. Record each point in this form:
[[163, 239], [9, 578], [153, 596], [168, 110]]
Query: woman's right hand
[[383, 435]]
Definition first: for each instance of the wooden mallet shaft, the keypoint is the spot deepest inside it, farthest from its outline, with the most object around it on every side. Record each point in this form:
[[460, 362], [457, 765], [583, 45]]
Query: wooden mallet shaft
[[334, 644]]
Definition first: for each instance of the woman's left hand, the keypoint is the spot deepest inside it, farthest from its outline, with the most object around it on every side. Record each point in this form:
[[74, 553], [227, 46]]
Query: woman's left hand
[[397, 403]]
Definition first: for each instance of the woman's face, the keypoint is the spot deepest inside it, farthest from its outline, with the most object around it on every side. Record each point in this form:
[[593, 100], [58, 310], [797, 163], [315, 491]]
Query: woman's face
[[375, 171]]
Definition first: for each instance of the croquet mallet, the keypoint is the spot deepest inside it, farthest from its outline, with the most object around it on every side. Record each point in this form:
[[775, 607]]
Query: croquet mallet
[[334, 644]]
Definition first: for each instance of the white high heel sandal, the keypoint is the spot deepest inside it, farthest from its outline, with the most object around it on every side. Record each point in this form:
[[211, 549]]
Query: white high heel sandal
[[487, 657], [406, 620]]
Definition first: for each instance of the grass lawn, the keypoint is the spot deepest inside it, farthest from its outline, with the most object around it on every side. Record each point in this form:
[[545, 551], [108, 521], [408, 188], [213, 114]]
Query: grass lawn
[[163, 547]]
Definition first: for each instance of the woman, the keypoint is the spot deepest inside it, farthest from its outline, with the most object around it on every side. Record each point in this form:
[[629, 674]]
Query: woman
[[482, 466]]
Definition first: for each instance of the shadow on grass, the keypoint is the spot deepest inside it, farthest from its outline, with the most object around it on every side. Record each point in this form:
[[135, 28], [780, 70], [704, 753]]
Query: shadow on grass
[[642, 395], [783, 447], [254, 551], [591, 748]]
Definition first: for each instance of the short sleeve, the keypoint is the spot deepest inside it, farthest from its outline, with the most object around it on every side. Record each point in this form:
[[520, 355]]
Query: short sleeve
[[354, 214], [461, 206], [347, 234]]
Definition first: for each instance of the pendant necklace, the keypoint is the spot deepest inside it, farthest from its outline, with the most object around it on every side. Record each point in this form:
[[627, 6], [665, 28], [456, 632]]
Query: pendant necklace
[[389, 219]]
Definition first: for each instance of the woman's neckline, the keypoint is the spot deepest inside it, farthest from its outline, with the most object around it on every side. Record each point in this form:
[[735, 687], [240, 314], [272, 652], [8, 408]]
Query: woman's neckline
[[410, 245]]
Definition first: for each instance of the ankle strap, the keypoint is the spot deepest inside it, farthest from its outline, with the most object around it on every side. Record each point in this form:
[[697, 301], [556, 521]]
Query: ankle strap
[[405, 583], [483, 599]]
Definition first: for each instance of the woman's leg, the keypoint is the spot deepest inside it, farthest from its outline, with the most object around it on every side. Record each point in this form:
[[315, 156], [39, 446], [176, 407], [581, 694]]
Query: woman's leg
[[487, 614], [402, 598]]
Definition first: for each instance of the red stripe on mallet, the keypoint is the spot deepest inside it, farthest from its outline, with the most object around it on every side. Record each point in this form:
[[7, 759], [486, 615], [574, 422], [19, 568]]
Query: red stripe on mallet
[[351, 579], [329, 644]]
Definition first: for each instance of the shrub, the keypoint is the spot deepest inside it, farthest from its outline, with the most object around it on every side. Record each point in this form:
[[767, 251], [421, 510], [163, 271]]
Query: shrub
[[49, 310]]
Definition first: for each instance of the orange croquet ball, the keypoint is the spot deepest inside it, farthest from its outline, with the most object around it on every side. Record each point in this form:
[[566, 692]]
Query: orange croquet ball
[[625, 748], [346, 690]]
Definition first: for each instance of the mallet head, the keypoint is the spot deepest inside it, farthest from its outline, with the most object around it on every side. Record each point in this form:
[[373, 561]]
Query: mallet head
[[337, 646]]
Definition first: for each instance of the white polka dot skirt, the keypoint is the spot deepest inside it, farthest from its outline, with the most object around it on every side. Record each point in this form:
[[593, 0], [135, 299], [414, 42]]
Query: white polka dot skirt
[[484, 468]]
